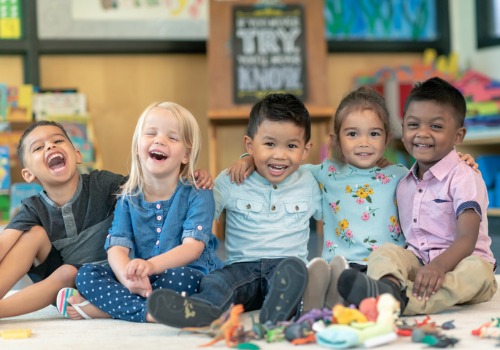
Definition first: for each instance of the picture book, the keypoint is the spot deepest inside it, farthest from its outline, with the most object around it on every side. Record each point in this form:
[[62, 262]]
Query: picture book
[[3, 102], [53, 104], [20, 191], [20, 103], [4, 169]]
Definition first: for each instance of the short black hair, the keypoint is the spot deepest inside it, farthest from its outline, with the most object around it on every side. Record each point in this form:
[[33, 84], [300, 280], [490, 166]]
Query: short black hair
[[280, 107], [442, 92], [29, 129]]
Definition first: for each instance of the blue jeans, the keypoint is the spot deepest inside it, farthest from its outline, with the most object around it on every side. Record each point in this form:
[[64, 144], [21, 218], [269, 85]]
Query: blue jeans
[[99, 285], [244, 283]]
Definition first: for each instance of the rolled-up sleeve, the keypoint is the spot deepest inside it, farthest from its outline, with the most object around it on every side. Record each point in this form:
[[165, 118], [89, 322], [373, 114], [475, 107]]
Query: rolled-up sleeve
[[200, 215], [120, 233]]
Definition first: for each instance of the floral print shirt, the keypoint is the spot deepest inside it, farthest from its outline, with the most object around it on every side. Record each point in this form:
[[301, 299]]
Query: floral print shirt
[[359, 208]]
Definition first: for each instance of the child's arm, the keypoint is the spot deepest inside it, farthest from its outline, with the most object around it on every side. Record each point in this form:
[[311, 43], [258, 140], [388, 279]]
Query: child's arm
[[182, 255], [8, 238], [120, 263], [241, 169], [430, 277]]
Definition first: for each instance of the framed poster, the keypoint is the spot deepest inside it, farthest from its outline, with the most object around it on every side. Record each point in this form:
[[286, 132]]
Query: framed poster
[[123, 20], [268, 51]]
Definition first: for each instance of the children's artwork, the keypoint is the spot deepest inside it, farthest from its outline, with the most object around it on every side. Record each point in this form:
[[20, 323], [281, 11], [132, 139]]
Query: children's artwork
[[409, 20]]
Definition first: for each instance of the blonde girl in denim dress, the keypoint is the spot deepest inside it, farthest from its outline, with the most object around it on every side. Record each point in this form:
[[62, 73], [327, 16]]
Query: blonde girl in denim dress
[[161, 234]]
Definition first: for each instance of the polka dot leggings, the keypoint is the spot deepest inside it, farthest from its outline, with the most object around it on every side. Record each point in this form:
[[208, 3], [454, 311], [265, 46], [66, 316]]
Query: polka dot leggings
[[99, 285]]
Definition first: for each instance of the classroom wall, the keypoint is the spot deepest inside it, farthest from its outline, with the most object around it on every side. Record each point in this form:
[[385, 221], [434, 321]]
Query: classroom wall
[[119, 87]]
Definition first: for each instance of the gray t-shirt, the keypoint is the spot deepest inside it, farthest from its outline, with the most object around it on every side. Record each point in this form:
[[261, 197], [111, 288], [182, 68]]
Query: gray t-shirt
[[79, 228]]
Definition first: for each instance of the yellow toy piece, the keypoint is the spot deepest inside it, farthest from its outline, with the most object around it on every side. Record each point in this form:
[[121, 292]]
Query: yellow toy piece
[[15, 333], [347, 315]]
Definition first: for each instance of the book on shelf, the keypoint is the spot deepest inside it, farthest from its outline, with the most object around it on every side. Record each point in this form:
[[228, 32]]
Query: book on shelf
[[10, 139], [20, 103], [59, 104], [4, 169], [20, 191], [3, 102]]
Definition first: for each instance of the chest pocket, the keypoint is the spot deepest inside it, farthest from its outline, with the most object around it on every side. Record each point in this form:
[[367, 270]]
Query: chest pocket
[[295, 212], [248, 208]]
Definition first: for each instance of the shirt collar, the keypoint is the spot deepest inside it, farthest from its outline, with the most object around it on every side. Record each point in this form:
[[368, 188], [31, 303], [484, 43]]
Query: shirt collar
[[439, 170], [262, 180]]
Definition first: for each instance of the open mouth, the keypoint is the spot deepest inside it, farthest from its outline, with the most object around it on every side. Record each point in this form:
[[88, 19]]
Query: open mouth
[[56, 161], [277, 169], [158, 155]]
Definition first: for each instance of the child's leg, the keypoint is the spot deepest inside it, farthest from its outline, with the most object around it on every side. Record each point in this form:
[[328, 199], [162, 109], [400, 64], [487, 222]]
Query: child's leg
[[38, 295], [33, 244]]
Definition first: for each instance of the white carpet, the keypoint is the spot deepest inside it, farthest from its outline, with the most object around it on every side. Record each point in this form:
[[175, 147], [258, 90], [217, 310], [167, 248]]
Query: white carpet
[[51, 331]]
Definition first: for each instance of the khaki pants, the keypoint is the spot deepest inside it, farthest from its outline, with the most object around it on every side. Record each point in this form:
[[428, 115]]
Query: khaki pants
[[471, 282]]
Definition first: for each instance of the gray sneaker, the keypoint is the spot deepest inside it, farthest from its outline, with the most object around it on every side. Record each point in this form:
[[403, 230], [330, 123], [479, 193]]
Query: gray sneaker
[[333, 297], [287, 288], [318, 281]]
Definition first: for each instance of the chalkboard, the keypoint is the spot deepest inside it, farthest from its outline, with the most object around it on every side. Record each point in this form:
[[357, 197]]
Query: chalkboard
[[269, 51]]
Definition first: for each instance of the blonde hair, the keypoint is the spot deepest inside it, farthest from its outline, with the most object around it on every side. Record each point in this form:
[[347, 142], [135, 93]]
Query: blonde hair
[[363, 98], [190, 136]]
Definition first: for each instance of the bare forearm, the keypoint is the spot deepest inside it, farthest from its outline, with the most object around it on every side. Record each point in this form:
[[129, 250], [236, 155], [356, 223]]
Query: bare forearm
[[118, 260], [187, 252]]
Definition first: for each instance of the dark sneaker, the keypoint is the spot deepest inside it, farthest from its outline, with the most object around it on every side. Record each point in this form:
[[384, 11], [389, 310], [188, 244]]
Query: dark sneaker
[[337, 265], [285, 294], [318, 280], [172, 309], [354, 286]]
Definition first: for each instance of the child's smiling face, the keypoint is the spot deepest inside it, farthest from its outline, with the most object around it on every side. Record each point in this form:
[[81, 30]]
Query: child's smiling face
[[278, 149], [362, 138], [430, 132]]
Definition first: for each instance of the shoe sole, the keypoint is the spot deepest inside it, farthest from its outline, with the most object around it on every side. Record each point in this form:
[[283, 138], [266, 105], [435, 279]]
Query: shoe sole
[[172, 309], [289, 283]]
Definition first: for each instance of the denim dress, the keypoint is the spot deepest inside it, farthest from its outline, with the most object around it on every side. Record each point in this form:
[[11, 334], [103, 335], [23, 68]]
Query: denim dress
[[149, 229]]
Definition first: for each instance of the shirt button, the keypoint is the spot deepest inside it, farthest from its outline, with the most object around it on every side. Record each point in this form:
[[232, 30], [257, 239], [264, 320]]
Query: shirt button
[[414, 220], [158, 206], [296, 207], [249, 206], [66, 210], [158, 217], [420, 190], [421, 244], [158, 242], [273, 208], [158, 230], [275, 187]]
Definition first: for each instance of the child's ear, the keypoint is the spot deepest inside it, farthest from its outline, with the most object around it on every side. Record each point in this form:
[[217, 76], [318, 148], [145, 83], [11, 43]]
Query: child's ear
[[78, 156], [185, 160], [460, 135], [27, 175], [248, 144], [307, 149]]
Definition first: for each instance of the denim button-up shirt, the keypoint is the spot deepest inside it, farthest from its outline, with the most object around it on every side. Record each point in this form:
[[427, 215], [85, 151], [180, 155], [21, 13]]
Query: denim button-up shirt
[[152, 228]]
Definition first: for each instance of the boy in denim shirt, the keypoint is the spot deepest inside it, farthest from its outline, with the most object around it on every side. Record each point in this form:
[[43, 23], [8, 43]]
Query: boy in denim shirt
[[267, 225]]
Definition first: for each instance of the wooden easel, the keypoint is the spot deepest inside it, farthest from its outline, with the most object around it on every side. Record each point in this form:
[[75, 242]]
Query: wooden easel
[[222, 109]]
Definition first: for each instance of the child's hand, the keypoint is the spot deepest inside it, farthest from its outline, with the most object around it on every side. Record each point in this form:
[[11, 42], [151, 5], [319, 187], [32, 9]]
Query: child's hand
[[203, 179], [470, 161], [241, 169], [138, 268], [140, 286], [428, 281]]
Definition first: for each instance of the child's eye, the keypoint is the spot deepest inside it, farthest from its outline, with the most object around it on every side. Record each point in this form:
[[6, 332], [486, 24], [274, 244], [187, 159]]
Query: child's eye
[[375, 133], [59, 141], [292, 146], [37, 148], [436, 126], [351, 134], [412, 125], [174, 138], [269, 144]]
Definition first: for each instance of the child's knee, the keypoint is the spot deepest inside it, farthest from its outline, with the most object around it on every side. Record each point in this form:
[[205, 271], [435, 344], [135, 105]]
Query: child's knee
[[65, 275]]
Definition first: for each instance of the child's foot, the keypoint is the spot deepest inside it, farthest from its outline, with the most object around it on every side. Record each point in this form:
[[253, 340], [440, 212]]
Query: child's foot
[[354, 286], [80, 308], [337, 265], [172, 309], [318, 279], [287, 289]]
